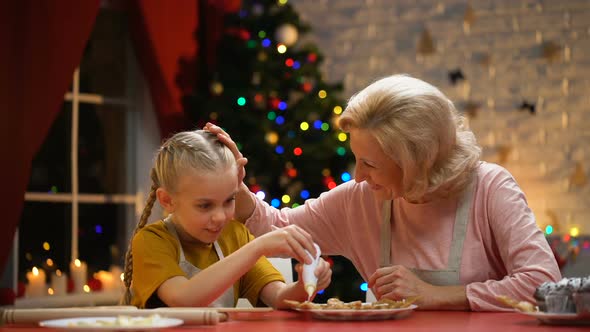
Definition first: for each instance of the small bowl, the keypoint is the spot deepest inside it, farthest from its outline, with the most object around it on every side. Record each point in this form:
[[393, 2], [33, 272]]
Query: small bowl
[[582, 301], [560, 303]]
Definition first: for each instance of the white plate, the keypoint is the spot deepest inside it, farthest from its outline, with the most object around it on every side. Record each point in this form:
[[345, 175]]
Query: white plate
[[111, 323], [360, 314], [559, 319]]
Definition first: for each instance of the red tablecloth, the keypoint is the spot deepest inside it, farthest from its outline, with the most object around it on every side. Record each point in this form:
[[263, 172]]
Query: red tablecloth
[[280, 321]]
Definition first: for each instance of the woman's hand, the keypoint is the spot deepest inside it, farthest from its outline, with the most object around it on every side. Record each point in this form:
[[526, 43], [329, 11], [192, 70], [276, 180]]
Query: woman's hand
[[287, 242], [397, 282], [226, 139], [323, 271]]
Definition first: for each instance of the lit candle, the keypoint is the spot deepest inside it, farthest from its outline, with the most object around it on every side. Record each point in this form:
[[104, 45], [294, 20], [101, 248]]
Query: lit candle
[[36, 285], [106, 280], [118, 277], [79, 273], [59, 283]]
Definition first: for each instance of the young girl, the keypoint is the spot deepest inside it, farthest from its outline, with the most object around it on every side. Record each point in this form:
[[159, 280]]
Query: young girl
[[198, 256]]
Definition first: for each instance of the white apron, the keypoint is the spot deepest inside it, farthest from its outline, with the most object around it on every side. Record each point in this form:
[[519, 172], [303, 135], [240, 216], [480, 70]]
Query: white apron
[[444, 277], [226, 300]]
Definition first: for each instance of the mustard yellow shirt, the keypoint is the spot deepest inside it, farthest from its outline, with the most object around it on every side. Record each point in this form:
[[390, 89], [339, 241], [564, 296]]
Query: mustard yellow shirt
[[156, 255]]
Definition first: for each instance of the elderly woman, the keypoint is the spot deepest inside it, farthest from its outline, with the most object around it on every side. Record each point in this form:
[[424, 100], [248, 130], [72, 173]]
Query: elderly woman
[[424, 216]]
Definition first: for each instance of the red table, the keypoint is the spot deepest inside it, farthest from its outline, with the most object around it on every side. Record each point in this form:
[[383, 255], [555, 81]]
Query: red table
[[280, 321]]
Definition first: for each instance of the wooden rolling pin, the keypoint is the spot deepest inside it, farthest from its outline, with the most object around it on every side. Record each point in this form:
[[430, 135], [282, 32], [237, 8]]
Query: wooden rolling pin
[[190, 316]]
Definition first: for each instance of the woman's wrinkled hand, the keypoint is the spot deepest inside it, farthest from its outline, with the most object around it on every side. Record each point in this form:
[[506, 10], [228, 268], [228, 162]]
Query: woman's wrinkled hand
[[398, 282]]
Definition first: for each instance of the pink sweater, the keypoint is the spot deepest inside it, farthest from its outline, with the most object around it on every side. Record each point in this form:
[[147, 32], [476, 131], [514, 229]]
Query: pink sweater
[[504, 253]]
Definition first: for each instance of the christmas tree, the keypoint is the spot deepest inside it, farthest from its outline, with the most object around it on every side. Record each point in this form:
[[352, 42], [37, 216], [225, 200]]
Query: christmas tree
[[266, 90]]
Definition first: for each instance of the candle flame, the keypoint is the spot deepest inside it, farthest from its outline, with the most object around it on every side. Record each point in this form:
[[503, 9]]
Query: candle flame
[[35, 271], [50, 291], [122, 276], [86, 288], [58, 273], [77, 263]]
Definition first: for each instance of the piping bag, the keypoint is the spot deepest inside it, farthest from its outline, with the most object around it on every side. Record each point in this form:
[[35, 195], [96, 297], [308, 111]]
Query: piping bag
[[310, 281]]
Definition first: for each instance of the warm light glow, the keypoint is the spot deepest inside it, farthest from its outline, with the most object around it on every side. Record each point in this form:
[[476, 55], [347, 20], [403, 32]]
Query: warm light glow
[[122, 276], [272, 138], [86, 288], [337, 110], [282, 2], [326, 172], [35, 271], [281, 48], [574, 231], [286, 199], [322, 94], [342, 137], [49, 262], [77, 263], [304, 126], [58, 273], [50, 291], [292, 172], [46, 246]]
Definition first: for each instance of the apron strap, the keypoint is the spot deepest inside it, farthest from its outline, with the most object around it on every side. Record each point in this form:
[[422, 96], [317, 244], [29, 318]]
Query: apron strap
[[218, 250], [460, 228], [172, 230], [386, 235]]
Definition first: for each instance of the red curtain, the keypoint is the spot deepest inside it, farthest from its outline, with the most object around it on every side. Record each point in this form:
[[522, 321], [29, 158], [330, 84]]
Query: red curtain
[[166, 38], [43, 43]]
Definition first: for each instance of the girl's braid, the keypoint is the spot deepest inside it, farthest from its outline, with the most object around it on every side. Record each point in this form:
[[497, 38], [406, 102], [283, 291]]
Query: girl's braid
[[147, 211]]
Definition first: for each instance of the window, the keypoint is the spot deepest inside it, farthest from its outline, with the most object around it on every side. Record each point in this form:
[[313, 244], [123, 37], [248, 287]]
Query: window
[[87, 180]]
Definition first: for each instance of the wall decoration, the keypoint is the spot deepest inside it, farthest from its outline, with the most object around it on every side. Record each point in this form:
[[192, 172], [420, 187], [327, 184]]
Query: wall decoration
[[426, 44], [579, 177], [456, 76], [468, 18], [551, 51], [527, 106], [471, 108], [503, 153]]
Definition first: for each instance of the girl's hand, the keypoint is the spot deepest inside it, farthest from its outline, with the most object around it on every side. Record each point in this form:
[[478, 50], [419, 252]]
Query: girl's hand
[[226, 139], [323, 271], [286, 242]]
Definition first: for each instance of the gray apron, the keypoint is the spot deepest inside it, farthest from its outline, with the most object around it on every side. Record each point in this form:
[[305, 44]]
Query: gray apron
[[445, 277], [226, 300]]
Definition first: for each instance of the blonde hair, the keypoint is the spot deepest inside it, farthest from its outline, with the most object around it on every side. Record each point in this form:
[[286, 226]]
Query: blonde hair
[[419, 128], [189, 151]]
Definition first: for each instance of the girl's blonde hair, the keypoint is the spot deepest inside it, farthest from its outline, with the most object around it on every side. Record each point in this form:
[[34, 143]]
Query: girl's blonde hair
[[183, 153], [419, 128]]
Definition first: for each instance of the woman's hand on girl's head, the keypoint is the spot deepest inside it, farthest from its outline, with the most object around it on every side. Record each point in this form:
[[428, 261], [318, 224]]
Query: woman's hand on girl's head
[[290, 241], [226, 139]]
